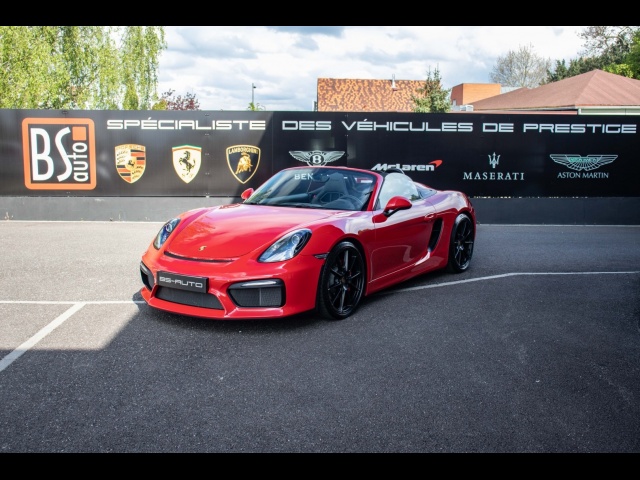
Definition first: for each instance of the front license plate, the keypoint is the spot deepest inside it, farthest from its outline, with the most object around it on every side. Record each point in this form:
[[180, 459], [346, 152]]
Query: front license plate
[[183, 282]]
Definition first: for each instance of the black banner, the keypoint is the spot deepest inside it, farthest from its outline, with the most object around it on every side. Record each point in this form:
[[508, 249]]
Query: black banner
[[219, 153]]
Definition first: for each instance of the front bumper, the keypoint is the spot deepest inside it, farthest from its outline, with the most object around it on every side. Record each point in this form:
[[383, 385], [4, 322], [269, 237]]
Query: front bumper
[[232, 290]]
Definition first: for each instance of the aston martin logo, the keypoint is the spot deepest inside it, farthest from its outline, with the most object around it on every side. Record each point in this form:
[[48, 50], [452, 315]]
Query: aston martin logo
[[316, 158], [131, 160], [579, 163], [186, 161], [243, 161]]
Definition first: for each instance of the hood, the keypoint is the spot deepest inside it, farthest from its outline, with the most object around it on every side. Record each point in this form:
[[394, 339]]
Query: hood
[[229, 231]]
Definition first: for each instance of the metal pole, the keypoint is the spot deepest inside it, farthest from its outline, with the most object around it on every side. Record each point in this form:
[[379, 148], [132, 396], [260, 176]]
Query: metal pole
[[253, 87]]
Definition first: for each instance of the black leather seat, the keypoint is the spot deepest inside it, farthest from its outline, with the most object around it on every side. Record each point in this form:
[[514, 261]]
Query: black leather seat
[[333, 189]]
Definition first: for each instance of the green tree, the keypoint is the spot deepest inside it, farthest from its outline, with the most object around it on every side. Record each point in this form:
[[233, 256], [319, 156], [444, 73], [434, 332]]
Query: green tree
[[622, 69], [609, 43], [79, 67], [633, 57], [169, 101], [605, 48], [432, 98], [254, 107], [576, 66]]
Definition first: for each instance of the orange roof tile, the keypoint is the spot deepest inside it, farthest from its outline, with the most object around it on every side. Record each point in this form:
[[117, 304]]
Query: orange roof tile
[[357, 95]]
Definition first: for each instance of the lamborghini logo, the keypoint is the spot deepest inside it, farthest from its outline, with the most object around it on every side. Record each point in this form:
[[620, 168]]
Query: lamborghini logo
[[131, 161], [243, 161], [186, 161]]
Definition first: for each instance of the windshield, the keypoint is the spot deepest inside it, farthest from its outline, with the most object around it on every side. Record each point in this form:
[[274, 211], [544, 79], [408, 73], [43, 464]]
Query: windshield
[[316, 187]]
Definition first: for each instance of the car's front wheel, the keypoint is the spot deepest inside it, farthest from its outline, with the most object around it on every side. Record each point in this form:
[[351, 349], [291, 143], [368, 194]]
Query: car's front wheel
[[342, 281], [461, 244]]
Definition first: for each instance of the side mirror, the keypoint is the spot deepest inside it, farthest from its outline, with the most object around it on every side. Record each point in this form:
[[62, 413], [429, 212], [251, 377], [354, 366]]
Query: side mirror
[[247, 193], [394, 204]]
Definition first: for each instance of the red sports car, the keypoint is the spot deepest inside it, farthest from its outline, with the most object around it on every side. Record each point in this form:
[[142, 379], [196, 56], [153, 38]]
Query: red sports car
[[310, 238]]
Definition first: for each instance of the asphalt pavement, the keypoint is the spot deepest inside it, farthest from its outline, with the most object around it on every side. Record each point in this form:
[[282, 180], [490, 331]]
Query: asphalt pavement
[[535, 349]]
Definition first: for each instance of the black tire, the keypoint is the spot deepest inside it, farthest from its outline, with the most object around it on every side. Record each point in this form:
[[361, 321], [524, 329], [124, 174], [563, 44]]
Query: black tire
[[342, 282], [461, 244]]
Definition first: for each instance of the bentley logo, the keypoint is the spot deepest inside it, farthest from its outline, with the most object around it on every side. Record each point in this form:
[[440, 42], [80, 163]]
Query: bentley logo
[[316, 158], [493, 160], [186, 161], [243, 161], [131, 160], [590, 162]]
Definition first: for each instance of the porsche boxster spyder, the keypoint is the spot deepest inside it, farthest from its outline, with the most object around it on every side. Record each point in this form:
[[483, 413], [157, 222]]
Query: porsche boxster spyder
[[310, 239]]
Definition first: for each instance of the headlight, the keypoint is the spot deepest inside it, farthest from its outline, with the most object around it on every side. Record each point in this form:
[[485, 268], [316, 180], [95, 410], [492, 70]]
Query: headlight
[[287, 247], [164, 232]]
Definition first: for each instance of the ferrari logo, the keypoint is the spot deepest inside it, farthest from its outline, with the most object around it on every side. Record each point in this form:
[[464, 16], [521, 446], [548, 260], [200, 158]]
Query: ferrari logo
[[131, 160], [186, 161], [243, 161]]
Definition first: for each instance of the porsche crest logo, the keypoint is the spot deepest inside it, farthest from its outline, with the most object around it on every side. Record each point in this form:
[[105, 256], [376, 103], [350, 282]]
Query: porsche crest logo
[[186, 161], [243, 161], [131, 160]]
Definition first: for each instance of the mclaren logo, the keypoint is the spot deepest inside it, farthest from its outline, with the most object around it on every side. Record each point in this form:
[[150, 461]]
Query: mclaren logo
[[579, 163], [429, 167], [243, 161], [131, 161], [186, 161], [316, 158]]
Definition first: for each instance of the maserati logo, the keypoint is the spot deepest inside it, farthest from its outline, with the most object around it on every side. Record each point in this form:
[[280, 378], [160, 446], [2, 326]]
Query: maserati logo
[[243, 161], [493, 160], [491, 175], [186, 161], [316, 158], [131, 160], [579, 163]]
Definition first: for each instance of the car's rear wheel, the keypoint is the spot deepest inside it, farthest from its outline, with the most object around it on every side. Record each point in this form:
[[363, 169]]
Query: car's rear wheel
[[342, 282], [461, 245]]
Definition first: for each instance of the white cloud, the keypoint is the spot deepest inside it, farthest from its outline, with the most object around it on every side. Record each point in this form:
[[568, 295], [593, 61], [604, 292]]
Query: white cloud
[[219, 64]]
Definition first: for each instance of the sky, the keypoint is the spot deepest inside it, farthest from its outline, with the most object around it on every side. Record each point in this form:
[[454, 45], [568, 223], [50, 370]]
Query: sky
[[221, 65]]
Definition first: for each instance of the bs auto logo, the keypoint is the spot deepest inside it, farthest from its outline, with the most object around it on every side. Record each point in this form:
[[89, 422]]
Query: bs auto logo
[[59, 154]]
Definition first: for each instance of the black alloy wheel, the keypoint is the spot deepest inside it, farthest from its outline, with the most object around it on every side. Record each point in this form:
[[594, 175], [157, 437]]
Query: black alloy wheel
[[461, 246], [342, 282]]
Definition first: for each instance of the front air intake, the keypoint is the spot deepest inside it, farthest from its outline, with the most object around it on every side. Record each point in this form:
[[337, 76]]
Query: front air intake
[[258, 293]]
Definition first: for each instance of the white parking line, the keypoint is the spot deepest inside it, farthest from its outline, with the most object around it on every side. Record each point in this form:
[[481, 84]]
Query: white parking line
[[17, 353], [47, 329], [76, 306], [445, 284]]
